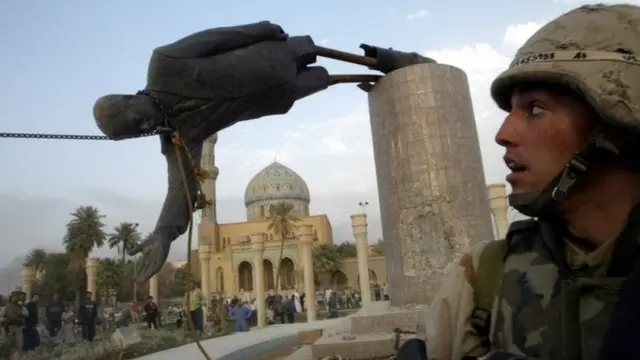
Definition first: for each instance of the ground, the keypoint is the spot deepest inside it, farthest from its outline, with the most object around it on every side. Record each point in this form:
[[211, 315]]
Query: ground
[[102, 348]]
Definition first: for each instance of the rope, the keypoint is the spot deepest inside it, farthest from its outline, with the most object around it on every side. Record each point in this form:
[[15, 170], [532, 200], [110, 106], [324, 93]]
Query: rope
[[178, 144]]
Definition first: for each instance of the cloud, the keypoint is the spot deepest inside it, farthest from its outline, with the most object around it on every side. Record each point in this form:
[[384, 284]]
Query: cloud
[[516, 35], [483, 62], [418, 14]]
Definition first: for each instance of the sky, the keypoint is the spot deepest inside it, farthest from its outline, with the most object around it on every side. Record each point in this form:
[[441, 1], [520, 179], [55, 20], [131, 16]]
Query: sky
[[58, 57]]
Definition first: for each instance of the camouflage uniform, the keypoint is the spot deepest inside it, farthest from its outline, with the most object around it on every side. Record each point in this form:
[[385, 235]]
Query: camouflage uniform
[[13, 315], [554, 300]]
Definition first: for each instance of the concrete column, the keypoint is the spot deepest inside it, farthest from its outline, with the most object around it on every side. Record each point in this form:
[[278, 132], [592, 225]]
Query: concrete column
[[431, 185], [359, 225], [257, 245], [153, 287], [499, 204], [27, 276], [204, 252], [92, 270], [306, 257]]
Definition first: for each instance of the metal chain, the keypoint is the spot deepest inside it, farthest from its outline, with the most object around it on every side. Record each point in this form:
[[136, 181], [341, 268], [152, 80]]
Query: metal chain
[[399, 332], [63, 136], [162, 129]]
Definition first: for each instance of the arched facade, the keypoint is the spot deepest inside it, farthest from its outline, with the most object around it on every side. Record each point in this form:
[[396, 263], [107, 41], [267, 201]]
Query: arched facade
[[245, 276], [219, 280], [287, 274], [339, 280], [269, 274]]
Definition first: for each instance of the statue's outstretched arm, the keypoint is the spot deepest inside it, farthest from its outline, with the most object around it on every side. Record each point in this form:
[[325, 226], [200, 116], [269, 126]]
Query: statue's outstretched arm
[[175, 214]]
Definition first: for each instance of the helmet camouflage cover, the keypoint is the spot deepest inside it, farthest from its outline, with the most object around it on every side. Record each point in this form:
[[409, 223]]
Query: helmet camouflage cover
[[595, 51]]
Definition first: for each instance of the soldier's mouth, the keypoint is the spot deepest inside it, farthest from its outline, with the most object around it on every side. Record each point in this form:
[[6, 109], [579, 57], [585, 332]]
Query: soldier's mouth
[[513, 165]]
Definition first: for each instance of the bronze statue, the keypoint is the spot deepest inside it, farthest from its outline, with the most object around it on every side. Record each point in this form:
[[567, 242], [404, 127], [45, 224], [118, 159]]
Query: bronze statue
[[210, 80]]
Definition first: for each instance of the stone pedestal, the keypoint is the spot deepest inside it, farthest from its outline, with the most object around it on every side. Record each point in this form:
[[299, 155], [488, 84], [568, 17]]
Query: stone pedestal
[[204, 252], [359, 225], [306, 243], [433, 201], [27, 276], [499, 204], [153, 287], [257, 246], [431, 182], [92, 270]]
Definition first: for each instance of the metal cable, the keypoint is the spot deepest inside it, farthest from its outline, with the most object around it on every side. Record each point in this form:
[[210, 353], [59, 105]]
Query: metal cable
[[41, 136]]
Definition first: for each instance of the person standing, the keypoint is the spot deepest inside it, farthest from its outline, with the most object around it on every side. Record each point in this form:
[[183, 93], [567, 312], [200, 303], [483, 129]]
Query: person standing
[[195, 309], [54, 311], [240, 314], [13, 317], [290, 309], [65, 335], [151, 313], [31, 335], [332, 305], [88, 314]]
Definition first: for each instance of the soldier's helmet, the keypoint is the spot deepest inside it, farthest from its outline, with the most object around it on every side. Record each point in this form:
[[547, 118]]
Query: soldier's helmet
[[593, 50]]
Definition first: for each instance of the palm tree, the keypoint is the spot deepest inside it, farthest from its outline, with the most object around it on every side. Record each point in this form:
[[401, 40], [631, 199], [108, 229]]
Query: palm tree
[[36, 259], [282, 222], [124, 237], [110, 275], [84, 233]]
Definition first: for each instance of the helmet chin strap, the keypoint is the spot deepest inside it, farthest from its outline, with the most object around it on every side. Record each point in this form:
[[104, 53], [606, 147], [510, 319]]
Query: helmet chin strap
[[546, 200]]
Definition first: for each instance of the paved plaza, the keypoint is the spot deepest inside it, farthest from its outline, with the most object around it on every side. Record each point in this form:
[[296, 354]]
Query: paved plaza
[[244, 346]]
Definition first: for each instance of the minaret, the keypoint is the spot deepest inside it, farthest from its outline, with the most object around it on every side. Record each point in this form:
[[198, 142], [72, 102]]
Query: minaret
[[208, 163], [208, 225]]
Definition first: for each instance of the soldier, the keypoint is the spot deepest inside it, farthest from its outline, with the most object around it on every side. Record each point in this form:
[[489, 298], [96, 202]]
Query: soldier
[[564, 284], [13, 318]]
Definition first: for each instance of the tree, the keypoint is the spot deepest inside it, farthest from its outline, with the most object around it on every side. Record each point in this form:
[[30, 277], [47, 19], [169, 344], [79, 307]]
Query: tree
[[283, 223], [110, 275], [378, 247], [347, 250], [124, 237], [178, 282], [85, 231], [56, 279], [35, 259], [326, 259], [165, 276]]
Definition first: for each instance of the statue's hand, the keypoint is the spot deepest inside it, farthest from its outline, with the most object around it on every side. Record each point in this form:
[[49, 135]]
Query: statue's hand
[[155, 250]]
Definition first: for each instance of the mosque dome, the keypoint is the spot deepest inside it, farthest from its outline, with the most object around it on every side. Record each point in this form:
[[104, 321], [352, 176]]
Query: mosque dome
[[273, 184]]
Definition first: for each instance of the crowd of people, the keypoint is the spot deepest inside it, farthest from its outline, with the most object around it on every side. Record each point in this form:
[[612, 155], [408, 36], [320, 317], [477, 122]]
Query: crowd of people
[[23, 320], [20, 320]]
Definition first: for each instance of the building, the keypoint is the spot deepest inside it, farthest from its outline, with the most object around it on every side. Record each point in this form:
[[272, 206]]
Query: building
[[223, 261]]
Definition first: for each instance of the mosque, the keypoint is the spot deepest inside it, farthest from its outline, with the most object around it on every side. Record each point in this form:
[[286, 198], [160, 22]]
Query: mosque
[[223, 261]]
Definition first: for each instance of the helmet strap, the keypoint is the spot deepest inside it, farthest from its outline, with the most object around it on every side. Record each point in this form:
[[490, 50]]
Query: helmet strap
[[541, 202]]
